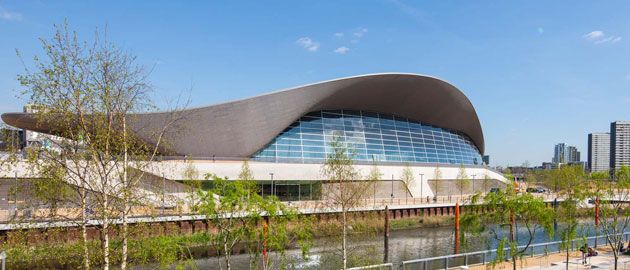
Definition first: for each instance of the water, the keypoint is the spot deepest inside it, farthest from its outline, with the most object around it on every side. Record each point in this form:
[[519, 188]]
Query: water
[[403, 245]]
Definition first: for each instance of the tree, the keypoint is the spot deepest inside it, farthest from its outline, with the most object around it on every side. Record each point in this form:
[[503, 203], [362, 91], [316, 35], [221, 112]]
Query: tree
[[408, 179], [614, 215], [486, 182], [246, 173], [374, 177], [87, 94], [462, 181], [236, 211], [600, 175], [573, 188], [437, 176], [347, 188], [508, 208], [192, 180]]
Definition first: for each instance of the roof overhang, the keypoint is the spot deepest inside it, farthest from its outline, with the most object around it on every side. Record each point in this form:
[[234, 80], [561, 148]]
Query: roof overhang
[[242, 127]]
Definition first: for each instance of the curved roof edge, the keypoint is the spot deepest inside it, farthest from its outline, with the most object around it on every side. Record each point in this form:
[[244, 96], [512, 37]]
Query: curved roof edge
[[241, 127]]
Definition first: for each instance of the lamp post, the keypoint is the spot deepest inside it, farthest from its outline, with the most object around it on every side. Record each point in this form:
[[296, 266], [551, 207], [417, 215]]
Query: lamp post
[[473, 189], [272, 192], [421, 184]]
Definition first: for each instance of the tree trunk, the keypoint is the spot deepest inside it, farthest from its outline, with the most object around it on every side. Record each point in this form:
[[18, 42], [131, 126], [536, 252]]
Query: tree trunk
[[513, 262], [227, 256], [126, 193], [343, 245], [105, 233], [86, 252], [125, 228], [567, 257], [512, 222]]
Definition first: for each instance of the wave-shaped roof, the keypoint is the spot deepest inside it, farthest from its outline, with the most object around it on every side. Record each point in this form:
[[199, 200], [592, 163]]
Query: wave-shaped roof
[[242, 127]]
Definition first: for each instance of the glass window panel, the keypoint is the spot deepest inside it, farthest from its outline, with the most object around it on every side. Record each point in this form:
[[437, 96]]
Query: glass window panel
[[314, 155], [388, 137], [371, 135]]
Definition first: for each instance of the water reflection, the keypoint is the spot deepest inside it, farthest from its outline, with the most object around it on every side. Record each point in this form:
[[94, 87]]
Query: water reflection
[[404, 245]]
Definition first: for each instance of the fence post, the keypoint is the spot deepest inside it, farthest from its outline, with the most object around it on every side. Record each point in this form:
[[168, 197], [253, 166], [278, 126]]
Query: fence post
[[484, 258], [446, 263], [466, 260]]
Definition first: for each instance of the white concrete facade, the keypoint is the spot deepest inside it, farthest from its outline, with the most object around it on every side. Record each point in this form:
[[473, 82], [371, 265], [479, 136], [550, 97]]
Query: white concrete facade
[[174, 170]]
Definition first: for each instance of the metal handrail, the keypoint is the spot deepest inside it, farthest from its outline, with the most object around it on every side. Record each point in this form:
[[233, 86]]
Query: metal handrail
[[483, 252], [388, 265]]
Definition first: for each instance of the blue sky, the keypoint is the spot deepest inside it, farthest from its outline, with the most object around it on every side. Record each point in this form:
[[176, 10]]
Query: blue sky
[[538, 72]]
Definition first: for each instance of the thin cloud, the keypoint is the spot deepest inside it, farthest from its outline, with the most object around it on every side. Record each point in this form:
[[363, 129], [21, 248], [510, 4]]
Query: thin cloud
[[341, 50], [10, 15], [599, 37], [608, 39], [595, 35], [360, 32], [540, 30], [339, 35], [308, 44]]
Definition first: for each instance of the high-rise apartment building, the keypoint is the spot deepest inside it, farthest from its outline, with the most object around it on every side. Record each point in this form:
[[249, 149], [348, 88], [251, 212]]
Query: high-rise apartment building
[[599, 152], [573, 155], [559, 153], [565, 154], [619, 144]]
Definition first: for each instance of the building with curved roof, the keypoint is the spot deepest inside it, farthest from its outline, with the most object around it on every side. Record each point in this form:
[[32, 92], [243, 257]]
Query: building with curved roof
[[390, 119]]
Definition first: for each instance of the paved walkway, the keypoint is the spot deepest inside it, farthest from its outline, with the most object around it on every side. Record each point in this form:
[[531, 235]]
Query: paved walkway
[[556, 261]]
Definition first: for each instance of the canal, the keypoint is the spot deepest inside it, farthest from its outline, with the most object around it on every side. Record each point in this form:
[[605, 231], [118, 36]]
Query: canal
[[368, 249]]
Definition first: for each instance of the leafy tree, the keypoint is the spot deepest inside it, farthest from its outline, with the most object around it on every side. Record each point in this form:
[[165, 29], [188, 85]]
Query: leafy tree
[[87, 94], [462, 180], [600, 175], [614, 215], [407, 179], [348, 189], [192, 180], [486, 182], [572, 186], [437, 177], [246, 173], [374, 176], [236, 211], [507, 208]]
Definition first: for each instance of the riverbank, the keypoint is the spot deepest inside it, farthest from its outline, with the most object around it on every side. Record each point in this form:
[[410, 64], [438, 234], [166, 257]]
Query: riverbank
[[167, 250], [376, 224]]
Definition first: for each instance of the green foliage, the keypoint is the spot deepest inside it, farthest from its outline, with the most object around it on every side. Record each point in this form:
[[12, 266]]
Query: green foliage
[[462, 182], [614, 215], [570, 183], [239, 214], [163, 250], [86, 93], [507, 208], [407, 176], [246, 173], [437, 176], [600, 175]]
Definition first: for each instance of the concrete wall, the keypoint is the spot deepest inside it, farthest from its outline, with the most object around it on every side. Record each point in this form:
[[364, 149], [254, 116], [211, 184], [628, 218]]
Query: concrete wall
[[175, 170], [286, 171]]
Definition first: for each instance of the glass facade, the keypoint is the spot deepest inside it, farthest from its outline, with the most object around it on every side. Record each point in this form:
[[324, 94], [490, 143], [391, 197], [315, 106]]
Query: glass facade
[[372, 136]]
